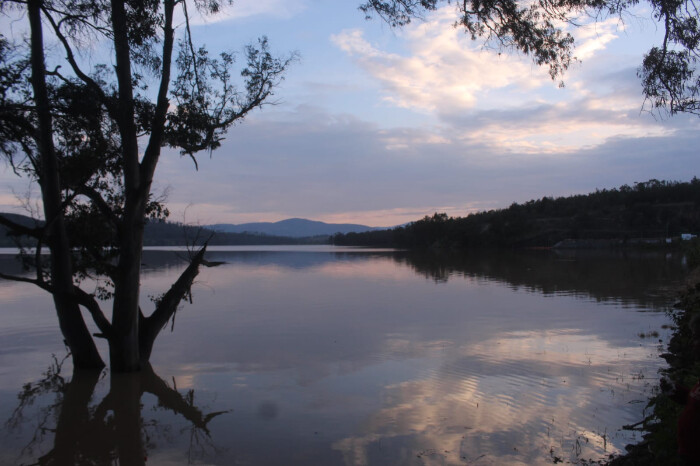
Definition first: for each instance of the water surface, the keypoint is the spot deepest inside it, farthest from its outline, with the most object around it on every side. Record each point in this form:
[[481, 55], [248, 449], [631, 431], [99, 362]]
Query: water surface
[[297, 355]]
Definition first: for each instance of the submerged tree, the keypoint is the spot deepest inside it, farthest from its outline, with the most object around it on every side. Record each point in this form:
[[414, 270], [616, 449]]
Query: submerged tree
[[91, 135], [669, 72]]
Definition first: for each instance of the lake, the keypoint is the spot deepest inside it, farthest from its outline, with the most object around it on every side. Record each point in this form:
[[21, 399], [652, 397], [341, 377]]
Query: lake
[[342, 356]]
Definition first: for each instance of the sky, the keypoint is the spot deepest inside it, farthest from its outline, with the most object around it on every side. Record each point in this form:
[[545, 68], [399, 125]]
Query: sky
[[382, 126]]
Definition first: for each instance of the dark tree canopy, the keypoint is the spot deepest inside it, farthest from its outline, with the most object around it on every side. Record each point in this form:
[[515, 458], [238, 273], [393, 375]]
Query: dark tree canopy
[[669, 71]]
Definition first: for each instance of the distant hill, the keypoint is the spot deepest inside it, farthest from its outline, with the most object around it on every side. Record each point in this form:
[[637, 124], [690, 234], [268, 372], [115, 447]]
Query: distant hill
[[7, 241], [176, 234], [172, 234], [292, 227]]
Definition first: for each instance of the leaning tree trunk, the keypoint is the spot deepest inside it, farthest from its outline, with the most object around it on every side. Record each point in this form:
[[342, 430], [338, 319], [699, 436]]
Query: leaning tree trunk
[[150, 327], [75, 332]]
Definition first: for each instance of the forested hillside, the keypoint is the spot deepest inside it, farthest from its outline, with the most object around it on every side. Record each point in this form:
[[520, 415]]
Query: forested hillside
[[170, 234], [176, 234], [626, 215]]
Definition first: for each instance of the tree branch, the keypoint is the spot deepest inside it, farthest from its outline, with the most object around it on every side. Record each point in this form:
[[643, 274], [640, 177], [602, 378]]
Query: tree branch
[[33, 281], [152, 152], [125, 106], [92, 194], [88, 302], [150, 327], [171, 399], [81, 296], [70, 56]]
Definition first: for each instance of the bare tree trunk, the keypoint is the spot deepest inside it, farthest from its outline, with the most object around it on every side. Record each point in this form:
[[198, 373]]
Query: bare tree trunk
[[75, 332]]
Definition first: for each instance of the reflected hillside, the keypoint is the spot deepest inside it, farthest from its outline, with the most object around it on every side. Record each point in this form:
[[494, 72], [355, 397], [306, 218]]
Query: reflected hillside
[[289, 258], [646, 278]]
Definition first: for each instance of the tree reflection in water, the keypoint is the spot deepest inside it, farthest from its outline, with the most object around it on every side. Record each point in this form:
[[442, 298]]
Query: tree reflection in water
[[111, 431]]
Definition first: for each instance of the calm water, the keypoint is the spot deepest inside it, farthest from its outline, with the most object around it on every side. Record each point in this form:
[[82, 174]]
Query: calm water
[[301, 356]]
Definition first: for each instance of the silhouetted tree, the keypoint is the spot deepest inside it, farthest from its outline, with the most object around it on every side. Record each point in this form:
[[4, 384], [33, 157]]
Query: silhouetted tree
[[91, 136]]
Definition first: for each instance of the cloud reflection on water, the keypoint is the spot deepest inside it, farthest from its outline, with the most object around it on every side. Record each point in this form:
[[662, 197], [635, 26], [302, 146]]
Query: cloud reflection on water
[[391, 358], [519, 398]]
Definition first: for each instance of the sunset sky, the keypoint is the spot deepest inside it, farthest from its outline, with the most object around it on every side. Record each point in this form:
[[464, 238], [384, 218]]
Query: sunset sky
[[381, 126]]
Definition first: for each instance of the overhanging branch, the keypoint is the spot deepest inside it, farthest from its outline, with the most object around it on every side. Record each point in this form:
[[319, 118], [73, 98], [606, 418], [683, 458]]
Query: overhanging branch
[[167, 305]]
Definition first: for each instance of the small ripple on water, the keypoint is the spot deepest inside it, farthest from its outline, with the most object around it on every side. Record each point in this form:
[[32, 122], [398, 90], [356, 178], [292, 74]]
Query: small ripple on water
[[572, 402]]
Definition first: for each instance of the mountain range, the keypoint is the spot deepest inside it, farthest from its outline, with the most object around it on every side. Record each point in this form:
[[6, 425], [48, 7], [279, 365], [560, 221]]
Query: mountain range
[[292, 227]]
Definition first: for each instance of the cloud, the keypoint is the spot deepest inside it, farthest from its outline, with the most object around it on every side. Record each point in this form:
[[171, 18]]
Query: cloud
[[242, 9], [595, 36], [504, 101], [443, 68], [558, 128], [466, 409], [313, 164], [443, 71]]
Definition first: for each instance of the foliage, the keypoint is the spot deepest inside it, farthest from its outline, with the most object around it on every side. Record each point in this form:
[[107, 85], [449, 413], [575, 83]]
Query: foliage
[[652, 209], [692, 252]]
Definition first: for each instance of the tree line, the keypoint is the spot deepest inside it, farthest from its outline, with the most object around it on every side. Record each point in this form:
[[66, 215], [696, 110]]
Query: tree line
[[650, 209]]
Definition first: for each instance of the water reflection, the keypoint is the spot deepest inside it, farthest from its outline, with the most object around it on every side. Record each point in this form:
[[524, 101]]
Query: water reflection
[[635, 276], [522, 399], [110, 431], [355, 357]]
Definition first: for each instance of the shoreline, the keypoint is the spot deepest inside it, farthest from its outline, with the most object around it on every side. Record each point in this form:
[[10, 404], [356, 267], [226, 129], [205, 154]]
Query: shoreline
[[659, 445]]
